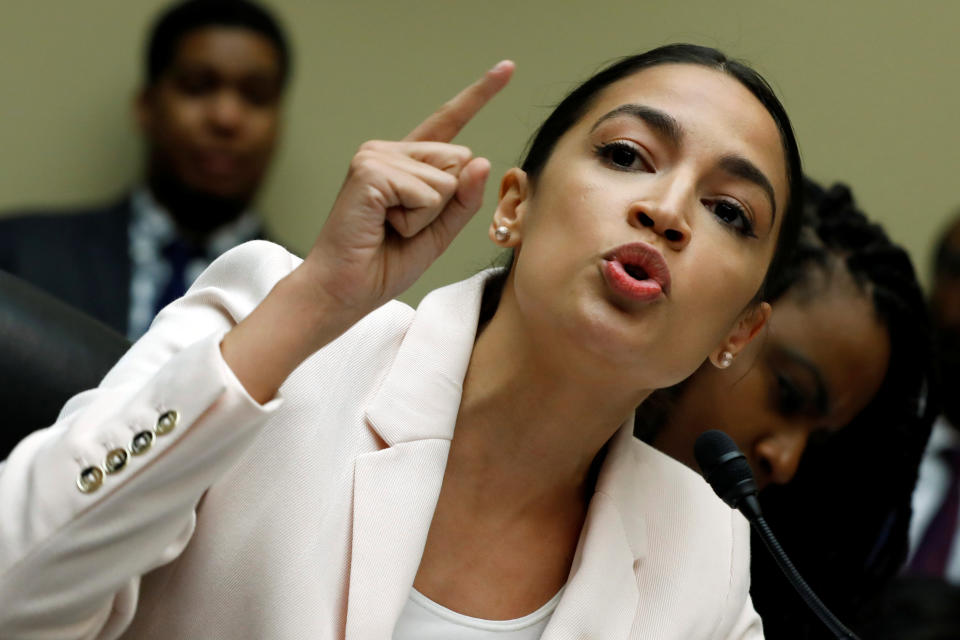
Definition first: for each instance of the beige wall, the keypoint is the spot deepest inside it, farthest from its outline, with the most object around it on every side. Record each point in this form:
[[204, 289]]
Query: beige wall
[[872, 88]]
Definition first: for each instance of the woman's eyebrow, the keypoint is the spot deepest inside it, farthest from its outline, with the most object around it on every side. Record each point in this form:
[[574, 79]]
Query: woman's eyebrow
[[662, 122], [821, 397], [670, 128], [742, 168]]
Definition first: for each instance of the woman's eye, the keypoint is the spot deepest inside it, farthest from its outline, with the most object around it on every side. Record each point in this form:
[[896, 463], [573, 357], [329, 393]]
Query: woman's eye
[[733, 215], [790, 400], [622, 155]]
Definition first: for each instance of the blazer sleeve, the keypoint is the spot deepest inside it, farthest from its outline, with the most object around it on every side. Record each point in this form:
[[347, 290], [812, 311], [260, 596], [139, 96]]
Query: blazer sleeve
[[109, 492]]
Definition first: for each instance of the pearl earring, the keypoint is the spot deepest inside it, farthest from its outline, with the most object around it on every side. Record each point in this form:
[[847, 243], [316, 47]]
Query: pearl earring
[[501, 233], [726, 359]]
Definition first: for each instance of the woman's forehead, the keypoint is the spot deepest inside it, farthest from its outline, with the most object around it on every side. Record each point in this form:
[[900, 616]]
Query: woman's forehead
[[698, 88], [714, 110], [839, 334]]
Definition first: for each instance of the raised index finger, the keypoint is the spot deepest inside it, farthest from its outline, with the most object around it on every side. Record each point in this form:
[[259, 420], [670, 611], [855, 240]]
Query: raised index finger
[[449, 119]]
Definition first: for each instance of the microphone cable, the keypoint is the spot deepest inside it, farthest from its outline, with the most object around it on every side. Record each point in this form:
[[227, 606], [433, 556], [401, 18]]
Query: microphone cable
[[727, 471]]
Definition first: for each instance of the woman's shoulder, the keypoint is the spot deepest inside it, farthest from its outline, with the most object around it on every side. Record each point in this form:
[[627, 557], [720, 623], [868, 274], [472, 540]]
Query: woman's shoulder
[[681, 529], [681, 491]]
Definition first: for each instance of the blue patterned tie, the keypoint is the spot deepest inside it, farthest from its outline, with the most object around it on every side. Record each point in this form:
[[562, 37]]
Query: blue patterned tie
[[178, 255]]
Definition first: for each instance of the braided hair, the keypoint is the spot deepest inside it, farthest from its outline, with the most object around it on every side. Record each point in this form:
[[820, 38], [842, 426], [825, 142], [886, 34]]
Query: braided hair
[[844, 517]]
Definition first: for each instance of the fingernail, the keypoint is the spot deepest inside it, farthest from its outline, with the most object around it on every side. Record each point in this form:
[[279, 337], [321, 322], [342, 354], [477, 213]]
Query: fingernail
[[503, 64]]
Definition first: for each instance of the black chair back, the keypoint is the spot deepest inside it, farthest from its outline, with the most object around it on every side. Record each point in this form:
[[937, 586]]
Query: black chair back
[[49, 351]]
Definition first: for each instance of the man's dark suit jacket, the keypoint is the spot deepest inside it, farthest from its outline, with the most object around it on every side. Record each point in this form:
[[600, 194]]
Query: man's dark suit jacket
[[81, 257]]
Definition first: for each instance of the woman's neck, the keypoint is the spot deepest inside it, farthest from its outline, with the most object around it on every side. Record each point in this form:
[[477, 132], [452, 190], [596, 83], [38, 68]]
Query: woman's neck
[[532, 419]]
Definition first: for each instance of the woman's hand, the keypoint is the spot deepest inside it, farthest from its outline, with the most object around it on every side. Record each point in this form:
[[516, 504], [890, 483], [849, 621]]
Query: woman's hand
[[400, 206]]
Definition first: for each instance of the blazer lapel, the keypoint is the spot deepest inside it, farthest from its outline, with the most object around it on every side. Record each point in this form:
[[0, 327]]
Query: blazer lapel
[[601, 597], [396, 488], [395, 494]]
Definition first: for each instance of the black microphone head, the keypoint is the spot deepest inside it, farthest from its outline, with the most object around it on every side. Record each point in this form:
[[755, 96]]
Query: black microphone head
[[725, 467]]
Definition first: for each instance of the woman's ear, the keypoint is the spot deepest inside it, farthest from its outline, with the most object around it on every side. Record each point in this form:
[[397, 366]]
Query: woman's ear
[[507, 224], [748, 326]]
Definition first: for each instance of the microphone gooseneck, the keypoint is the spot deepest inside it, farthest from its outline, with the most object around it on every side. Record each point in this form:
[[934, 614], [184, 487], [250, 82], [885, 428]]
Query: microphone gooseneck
[[727, 471]]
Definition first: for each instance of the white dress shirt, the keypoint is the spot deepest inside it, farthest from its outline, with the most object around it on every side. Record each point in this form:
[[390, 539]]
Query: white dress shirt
[[932, 485], [151, 228]]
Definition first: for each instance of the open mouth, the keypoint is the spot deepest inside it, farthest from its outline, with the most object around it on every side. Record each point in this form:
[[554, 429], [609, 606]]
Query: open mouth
[[637, 271]]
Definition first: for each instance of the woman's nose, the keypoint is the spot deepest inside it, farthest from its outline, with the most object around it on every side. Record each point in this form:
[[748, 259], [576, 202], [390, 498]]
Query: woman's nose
[[780, 454], [665, 219]]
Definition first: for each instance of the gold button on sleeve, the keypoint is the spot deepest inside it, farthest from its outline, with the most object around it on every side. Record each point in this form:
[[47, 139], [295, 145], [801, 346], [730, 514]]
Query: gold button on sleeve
[[141, 442], [167, 422], [115, 461], [90, 479]]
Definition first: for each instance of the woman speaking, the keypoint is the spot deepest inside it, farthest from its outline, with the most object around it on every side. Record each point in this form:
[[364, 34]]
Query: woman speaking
[[289, 454]]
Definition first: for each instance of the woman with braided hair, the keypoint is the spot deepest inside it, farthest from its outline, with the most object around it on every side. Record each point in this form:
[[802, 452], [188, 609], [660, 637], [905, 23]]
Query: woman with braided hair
[[832, 407]]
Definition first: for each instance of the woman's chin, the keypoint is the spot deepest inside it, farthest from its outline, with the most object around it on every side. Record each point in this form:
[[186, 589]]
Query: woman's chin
[[605, 343]]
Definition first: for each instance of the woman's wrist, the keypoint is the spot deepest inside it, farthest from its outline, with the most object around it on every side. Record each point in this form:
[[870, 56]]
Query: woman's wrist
[[317, 313], [295, 320]]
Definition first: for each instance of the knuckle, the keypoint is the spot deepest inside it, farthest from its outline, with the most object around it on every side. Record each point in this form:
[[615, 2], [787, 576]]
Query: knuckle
[[399, 224], [456, 157], [371, 145], [374, 194], [364, 162], [447, 184], [464, 153], [402, 226], [433, 200]]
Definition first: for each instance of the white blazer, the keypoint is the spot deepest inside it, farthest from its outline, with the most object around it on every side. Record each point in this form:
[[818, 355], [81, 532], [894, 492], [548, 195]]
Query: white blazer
[[307, 517]]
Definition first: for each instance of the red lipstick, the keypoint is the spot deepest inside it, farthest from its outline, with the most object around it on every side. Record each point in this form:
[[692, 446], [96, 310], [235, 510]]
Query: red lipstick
[[637, 271]]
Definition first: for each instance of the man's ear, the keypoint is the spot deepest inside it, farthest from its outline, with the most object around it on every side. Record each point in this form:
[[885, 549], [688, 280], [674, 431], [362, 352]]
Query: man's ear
[[751, 321], [143, 110], [506, 228]]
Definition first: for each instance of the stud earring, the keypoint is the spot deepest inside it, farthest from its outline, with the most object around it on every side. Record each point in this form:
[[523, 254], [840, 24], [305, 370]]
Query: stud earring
[[726, 359], [501, 233]]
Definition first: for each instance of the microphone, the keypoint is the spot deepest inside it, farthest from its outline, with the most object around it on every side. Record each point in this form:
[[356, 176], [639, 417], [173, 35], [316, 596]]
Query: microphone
[[727, 471]]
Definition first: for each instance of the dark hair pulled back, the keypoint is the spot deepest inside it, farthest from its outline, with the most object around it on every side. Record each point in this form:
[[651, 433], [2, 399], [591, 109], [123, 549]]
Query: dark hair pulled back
[[843, 518], [579, 101]]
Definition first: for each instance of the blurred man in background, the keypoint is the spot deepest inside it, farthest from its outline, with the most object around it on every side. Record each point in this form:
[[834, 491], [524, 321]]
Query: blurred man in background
[[934, 531], [209, 111]]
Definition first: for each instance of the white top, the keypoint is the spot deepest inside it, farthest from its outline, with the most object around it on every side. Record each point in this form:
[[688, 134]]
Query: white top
[[932, 485], [424, 619]]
